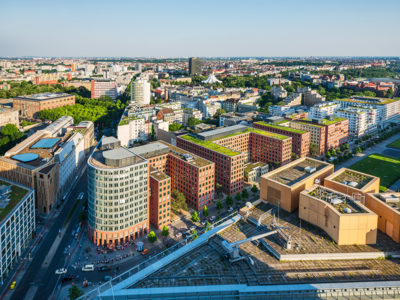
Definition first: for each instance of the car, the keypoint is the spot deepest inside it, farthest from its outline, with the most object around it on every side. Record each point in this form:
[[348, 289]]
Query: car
[[212, 219], [107, 278], [88, 268], [103, 269], [145, 251], [66, 278], [80, 196], [61, 271]]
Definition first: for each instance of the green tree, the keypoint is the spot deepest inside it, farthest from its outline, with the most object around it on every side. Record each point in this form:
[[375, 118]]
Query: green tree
[[194, 234], [219, 206], [152, 237], [178, 201], [165, 231], [195, 217], [229, 201], [174, 127], [219, 112], [208, 226], [245, 194], [254, 189], [333, 152], [193, 121], [238, 197], [74, 292], [205, 211]]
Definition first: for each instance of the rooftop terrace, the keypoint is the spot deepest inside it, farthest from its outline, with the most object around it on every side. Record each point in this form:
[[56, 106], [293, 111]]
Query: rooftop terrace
[[293, 174], [353, 178], [293, 130], [210, 145], [16, 195], [344, 204]]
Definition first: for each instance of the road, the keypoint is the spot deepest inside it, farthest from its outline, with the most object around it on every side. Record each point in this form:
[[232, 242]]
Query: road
[[39, 279]]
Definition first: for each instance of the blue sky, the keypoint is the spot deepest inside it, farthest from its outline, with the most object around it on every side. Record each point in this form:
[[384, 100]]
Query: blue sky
[[174, 28]]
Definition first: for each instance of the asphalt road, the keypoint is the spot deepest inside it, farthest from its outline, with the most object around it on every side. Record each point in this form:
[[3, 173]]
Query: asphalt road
[[43, 277]]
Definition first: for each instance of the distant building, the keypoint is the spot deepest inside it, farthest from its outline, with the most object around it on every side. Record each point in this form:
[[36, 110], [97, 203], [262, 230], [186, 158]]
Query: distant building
[[361, 120], [278, 92], [189, 113], [132, 129], [294, 99], [230, 105], [29, 106], [17, 223], [322, 110], [278, 81], [118, 212], [310, 96], [104, 87], [195, 65], [9, 115], [140, 92]]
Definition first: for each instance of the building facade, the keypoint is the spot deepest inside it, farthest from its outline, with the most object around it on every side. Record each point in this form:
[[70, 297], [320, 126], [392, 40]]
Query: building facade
[[160, 198], [132, 129], [9, 115], [103, 87], [195, 65], [140, 92], [118, 198]]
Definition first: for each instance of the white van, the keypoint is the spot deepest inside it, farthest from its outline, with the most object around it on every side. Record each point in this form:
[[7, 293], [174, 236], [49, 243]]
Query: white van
[[88, 268]]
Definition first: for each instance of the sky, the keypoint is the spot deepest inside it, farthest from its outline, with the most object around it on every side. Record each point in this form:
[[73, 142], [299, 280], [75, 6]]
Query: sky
[[182, 28]]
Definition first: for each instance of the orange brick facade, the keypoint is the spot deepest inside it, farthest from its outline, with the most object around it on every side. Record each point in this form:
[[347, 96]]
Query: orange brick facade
[[160, 199]]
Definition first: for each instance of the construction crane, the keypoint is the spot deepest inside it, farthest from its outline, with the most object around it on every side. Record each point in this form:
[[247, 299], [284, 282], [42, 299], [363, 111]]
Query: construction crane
[[232, 249]]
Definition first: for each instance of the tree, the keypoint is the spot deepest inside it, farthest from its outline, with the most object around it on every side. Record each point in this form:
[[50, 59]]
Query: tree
[[218, 189], [245, 194], [333, 152], [74, 292], [208, 226], [219, 205], [205, 211], [254, 189], [219, 112], [193, 121], [314, 149], [174, 127], [238, 197], [229, 201], [165, 231], [194, 234], [178, 201], [152, 237], [195, 217]]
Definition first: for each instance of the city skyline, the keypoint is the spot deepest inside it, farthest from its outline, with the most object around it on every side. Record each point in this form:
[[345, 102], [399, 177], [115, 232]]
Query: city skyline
[[206, 29]]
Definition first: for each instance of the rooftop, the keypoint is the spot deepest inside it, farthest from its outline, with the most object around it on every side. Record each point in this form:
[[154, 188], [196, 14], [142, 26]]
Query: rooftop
[[210, 145], [390, 199], [293, 173], [157, 174], [344, 204], [251, 166], [352, 178], [16, 195], [43, 96], [115, 158], [370, 100], [281, 127]]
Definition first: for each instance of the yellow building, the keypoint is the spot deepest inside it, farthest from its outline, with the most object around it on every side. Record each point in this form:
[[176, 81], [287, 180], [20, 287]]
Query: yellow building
[[387, 207], [344, 219], [282, 186], [353, 183]]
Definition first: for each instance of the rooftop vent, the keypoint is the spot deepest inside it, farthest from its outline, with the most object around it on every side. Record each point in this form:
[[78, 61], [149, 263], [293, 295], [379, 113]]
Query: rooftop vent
[[309, 169], [347, 210], [352, 184]]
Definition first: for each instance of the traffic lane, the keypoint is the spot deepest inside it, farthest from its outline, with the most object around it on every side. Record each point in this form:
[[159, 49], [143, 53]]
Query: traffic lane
[[31, 273]]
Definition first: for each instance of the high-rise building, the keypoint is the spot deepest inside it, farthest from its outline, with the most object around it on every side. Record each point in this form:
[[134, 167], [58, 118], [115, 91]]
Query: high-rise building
[[104, 87], [117, 194], [132, 129], [140, 92], [17, 223], [195, 64]]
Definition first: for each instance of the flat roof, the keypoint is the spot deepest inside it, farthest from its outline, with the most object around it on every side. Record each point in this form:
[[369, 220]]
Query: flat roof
[[293, 130], [352, 178], [293, 173], [157, 174], [43, 96], [46, 143], [115, 158], [18, 192], [150, 150], [343, 203], [208, 135], [211, 145]]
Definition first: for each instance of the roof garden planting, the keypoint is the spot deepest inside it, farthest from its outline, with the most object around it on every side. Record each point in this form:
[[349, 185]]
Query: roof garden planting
[[330, 122], [210, 145], [352, 178], [342, 203], [282, 127], [126, 120], [16, 195]]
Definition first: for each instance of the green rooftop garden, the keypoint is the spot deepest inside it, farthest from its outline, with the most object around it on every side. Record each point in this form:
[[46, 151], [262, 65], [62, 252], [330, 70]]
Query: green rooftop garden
[[210, 145], [385, 101], [126, 120], [281, 127], [16, 195], [330, 122], [266, 133]]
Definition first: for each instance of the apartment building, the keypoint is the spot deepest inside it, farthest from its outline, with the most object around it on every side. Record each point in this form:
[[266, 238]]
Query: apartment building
[[170, 115], [232, 146], [361, 120], [9, 115], [103, 87], [195, 65], [310, 96], [189, 113], [86, 128], [282, 186], [190, 174], [118, 198], [322, 110], [293, 99], [133, 129], [17, 223], [29, 106], [385, 108], [230, 105], [278, 92], [300, 138], [160, 198]]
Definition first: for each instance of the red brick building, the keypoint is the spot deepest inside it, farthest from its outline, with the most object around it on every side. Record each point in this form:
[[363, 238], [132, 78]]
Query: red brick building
[[300, 138], [231, 147], [160, 198]]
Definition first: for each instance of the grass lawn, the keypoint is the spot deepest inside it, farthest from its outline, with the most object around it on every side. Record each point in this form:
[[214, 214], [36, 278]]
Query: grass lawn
[[385, 167], [395, 144]]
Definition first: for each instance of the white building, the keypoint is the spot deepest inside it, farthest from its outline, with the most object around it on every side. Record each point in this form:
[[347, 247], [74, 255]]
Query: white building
[[322, 110], [18, 225], [278, 110], [361, 120], [191, 113], [131, 129], [278, 81], [278, 92], [140, 92]]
